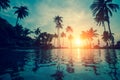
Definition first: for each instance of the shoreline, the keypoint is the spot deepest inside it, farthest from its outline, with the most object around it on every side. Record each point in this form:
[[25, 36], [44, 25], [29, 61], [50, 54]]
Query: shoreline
[[1, 48]]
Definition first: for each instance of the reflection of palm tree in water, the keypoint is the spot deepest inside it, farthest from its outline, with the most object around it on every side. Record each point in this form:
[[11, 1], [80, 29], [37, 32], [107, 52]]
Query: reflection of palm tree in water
[[89, 61], [70, 65], [42, 57], [58, 75], [111, 59]]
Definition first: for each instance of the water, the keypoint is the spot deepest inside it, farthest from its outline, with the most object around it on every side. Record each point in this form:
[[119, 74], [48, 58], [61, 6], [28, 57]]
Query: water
[[60, 64]]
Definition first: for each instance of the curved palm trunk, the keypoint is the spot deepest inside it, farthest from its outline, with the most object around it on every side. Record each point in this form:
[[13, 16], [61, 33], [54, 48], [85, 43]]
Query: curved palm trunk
[[58, 41], [109, 28], [112, 40], [104, 26], [17, 20]]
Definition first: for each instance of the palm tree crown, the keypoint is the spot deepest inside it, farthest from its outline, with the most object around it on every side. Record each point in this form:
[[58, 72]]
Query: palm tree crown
[[21, 12], [58, 21], [92, 33], [102, 10], [69, 29], [63, 34], [4, 4]]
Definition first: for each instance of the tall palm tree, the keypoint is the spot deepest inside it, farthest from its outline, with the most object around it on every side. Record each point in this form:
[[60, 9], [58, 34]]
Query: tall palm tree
[[4, 4], [58, 21], [21, 12], [63, 35], [70, 37], [55, 36], [102, 10]]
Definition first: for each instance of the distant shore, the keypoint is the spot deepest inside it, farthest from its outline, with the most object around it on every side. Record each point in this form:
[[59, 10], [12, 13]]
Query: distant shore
[[1, 48]]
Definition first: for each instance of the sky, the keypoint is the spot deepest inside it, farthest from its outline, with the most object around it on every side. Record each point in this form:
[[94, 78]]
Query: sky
[[75, 13]]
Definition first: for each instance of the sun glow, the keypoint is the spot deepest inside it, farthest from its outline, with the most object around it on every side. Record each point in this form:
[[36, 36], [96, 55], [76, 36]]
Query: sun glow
[[78, 42]]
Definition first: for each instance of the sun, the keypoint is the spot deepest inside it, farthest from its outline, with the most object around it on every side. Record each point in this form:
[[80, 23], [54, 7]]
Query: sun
[[78, 42]]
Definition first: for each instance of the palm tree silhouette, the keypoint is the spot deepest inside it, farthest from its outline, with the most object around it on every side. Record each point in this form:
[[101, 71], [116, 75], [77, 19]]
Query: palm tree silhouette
[[70, 37], [58, 21], [106, 37], [92, 33], [55, 36], [4, 4], [102, 10], [37, 31], [69, 29], [89, 35], [21, 12], [63, 35]]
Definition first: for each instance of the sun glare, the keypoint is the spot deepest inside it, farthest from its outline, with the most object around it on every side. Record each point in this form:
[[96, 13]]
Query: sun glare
[[78, 42]]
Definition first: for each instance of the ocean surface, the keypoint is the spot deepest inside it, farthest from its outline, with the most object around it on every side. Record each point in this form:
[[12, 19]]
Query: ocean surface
[[60, 64]]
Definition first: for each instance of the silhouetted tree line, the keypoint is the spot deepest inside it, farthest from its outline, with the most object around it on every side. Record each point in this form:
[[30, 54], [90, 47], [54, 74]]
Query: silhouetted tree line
[[18, 36]]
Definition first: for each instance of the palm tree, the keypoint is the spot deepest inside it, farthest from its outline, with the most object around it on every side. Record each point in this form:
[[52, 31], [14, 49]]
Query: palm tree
[[91, 34], [26, 32], [21, 12], [100, 21], [55, 36], [63, 35], [4, 4], [58, 21], [102, 10], [106, 37], [70, 37], [37, 32], [69, 29]]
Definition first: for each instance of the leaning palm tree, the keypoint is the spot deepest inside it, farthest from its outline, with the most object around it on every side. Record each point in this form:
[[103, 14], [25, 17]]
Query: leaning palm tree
[[4, 4], [21, 12], [102, 10], [63, 35], [58, 21]]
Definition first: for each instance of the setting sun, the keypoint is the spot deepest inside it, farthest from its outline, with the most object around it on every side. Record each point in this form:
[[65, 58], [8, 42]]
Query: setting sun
[[78, 42]]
